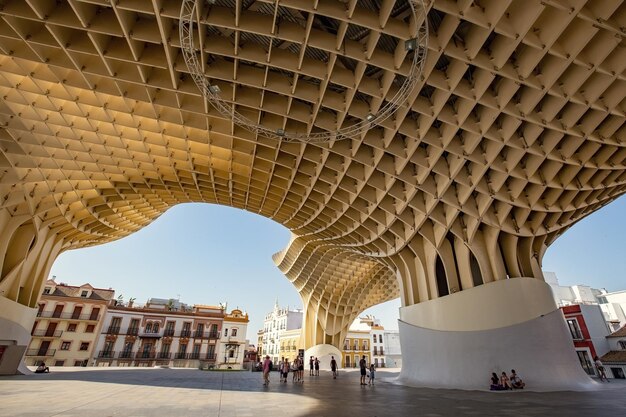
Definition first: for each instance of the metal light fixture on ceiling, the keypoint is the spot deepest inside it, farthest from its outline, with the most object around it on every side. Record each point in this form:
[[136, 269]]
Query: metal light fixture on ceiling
[[415, 44]]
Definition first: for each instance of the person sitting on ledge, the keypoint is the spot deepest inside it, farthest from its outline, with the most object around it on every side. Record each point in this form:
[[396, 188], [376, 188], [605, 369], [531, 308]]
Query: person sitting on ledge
[[495, 383], [42, 368], [505, 382], [516, 381]]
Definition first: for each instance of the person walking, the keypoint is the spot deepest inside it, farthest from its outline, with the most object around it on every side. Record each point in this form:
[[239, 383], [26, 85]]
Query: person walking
[[280, 369], [317, 367], [267, 367], [363, 366], [600, 368], [301, 369], [333, 366], [285, 370], [294, 370], [311, 366]]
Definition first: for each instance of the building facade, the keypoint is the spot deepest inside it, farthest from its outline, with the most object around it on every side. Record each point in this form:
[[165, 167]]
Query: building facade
[[612, 305], [68, 322], [275, 326], [393, 351], [233, 344], [162, 333], [615, 360], [365, 338], [290, 344], [589, 331]]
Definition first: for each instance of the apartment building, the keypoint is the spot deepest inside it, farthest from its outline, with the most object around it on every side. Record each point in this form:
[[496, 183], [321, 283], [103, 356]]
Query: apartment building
[[276, 324], [365, 338], [169, 333], [67, 325]]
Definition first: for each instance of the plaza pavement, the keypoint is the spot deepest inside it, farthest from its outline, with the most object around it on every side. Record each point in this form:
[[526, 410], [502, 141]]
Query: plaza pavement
[[129, 392]]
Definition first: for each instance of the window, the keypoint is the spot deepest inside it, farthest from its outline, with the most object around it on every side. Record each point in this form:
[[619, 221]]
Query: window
[[231, 353], [84, 346], [585, 362], [155, 328], [149, 328], [47, 290], [225, 332], [622, 344], [574, 329], [59, 363], [78, 363], [133, 328], [90, 328], [84, 293], [380, 338], [65, 345], [233, 333], [71, 327]]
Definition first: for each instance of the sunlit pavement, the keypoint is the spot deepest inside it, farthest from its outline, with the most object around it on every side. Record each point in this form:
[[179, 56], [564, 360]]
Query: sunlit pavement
[[129, 392]]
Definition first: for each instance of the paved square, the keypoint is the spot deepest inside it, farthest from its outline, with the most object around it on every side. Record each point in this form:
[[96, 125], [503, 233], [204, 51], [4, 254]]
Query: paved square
[[108, 392]]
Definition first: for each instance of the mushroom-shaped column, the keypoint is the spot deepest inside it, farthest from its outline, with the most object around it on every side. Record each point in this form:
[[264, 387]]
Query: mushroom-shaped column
[[475, 307]]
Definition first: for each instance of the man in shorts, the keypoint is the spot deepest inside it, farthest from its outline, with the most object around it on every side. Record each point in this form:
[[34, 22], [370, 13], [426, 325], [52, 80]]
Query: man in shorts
[[363, 366], [333, 366]]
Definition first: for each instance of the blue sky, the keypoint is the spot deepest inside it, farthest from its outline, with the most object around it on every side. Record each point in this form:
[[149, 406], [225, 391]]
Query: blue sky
[[206, 254]]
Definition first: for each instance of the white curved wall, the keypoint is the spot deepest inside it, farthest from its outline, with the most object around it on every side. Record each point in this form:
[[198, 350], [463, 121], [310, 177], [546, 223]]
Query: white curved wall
[[15, 325], [495, 327], [323, 353], [489, 306]]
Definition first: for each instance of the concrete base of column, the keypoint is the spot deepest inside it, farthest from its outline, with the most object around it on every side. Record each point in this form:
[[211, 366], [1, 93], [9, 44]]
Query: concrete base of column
[[459, 340], [323, 353], [16, 322]]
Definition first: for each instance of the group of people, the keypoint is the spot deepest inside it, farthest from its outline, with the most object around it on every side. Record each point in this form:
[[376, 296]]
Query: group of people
[[505, 382], [297, 369], [372, 372]]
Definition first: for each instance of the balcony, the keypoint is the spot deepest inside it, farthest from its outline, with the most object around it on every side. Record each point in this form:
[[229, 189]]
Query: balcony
[[164, 355], [68, 316], [145, 355], [150, 335], [210, 357], [194, 355], [168, 332], [47, 333], [181, 355], [132, 331], [40, 352], [106, 354], [185, 333], [205, 335], [126, 355], [113, 330]]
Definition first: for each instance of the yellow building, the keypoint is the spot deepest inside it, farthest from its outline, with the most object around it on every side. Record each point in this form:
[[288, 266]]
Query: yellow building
[[67, 325], [356, 345], [290, 344]]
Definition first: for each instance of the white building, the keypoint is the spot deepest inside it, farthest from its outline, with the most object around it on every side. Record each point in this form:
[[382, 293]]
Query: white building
[[615, 361], [393, 351], [233, 343], [613, 305], [278, 321]]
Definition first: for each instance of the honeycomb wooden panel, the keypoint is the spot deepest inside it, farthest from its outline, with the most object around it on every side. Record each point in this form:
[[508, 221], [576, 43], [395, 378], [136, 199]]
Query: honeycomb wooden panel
[[515, 133]]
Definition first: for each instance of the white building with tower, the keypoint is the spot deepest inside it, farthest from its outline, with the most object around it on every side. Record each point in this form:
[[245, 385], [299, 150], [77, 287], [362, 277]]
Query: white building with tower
[[276, 323]]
